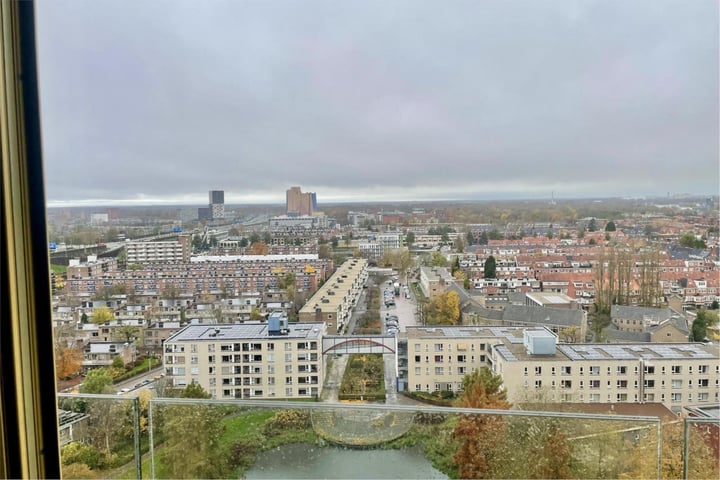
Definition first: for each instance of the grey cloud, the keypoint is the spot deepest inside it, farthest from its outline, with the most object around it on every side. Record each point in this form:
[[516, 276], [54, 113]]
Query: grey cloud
[[171, 98]]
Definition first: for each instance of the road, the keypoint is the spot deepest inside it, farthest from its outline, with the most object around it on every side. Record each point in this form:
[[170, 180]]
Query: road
[[405, 310]]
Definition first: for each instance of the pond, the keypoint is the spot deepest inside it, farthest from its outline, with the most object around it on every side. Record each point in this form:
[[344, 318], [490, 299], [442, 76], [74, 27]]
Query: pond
[[302, 461]]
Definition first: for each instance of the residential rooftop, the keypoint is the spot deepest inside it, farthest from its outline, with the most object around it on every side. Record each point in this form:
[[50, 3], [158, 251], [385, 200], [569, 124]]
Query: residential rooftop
[[245, 331]]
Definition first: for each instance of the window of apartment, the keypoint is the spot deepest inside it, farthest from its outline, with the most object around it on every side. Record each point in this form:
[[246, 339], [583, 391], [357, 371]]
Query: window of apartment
[[676, 369], [649, 397], [193, 359], [270, 357], [288, 380], [609, 370], [211, 370], [270, 347], [288, 357], [438, 359], [438, 347], [525, 371], [288, 346], [565, 370], [594, 383], [418, 358], [622, 384], [621, 397], [595, 370], [552, 370], [288, 368], [703, 369], [417, 349], [594, 397], [211, 358], [621, 370], [703, 383], [462, 370], [439, 371], [289, 392], [565, 383], [461, 358], [649, 369], [581, 370], [538, 383], [418, 387], [538, 370], [676, 397], [418, 370], [703, 396]]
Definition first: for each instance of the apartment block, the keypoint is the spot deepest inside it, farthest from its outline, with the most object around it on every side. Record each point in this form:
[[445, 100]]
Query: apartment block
[[532, 364], [155, 252], [273, 360], [334, 301], [675, 375]]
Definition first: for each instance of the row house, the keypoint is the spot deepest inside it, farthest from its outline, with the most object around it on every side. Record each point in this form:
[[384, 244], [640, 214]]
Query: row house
[[98, 354], [334, 301]]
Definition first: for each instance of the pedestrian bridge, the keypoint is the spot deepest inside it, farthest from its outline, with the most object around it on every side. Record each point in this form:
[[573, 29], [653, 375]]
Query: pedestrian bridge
[[359, 344]]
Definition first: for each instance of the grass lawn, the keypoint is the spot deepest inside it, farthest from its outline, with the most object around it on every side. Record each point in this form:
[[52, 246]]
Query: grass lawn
[[58, 268]]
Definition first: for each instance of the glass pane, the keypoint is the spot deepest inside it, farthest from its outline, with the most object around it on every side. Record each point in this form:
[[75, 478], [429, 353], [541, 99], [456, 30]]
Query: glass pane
[[101, 435]]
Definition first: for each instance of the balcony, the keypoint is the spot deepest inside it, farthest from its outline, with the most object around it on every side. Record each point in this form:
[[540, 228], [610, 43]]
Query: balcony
[[237, 436]]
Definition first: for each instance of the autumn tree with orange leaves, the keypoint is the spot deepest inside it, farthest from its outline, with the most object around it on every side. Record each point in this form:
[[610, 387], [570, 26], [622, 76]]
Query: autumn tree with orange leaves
[[480, 436]]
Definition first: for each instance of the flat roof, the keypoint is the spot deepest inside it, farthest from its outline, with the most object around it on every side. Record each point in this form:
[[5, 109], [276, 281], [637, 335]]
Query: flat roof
[[635, 352], [245, 331]]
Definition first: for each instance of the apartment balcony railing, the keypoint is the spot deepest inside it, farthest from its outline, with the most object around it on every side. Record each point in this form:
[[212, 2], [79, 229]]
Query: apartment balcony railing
[[120, 436]]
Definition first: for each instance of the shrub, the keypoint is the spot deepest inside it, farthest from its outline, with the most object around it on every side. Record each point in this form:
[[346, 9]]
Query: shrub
[[287, 420]]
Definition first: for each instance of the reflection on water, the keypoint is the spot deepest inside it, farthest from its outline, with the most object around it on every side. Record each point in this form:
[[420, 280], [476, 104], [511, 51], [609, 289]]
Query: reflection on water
[[312, 462]]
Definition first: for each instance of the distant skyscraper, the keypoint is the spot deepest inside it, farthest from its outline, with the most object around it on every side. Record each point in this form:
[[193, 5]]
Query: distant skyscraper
[[299, 203], [217, 204], [217, 196], [215, 208]]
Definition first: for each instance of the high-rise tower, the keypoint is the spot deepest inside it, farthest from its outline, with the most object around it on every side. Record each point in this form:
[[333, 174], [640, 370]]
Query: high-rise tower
[[299, 203]]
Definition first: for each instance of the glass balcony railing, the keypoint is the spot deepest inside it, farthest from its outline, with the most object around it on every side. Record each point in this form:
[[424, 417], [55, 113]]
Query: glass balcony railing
[[110, 436]]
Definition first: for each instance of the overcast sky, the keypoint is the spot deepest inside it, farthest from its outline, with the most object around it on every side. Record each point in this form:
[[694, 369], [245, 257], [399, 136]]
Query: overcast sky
[[161, 101]]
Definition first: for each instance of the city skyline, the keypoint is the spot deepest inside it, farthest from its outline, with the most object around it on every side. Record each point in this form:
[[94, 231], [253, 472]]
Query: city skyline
[[371, 101]]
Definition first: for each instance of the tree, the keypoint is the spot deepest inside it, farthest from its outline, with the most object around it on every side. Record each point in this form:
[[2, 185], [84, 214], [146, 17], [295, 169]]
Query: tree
[[690, 240], [444, 309], [698, 331], [126, 333], [324, 251], [480, 436], [469, 237], [489, 267], [201, 426], [569, 334], [102, 315], [194, 390], [68, 360], [610, 226], [97, 380], [259, 248], [256, 314], [592, 225], [437, 259], [409, 239]]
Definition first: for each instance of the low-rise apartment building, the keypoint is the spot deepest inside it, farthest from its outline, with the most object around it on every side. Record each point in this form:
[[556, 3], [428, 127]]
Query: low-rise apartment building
[[270, 360], [532, 363]]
